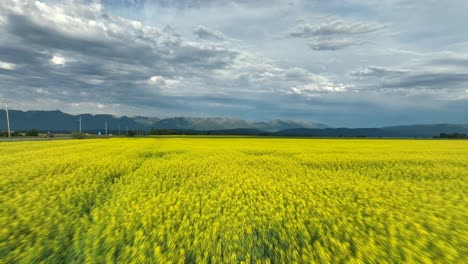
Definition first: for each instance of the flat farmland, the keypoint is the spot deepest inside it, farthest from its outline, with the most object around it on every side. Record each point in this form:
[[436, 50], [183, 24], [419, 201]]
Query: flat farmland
[[234, 200]]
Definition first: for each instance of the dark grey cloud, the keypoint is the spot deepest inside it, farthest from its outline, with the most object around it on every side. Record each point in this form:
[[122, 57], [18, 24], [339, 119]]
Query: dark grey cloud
[[101, 60], [333, 34], [457, 60], [376, 71], [332, 44], [441, 75], [184, 3], [331, 27], [76, 56], [149, 58], [202, 32], [151, 49], [124, 42], [431, 80]]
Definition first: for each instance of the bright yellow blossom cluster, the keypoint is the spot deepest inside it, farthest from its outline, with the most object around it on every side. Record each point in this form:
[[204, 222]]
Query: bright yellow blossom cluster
[[234, 200]]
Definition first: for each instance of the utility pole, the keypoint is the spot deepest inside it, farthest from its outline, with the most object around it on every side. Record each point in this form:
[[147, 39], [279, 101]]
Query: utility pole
[[7, 118], [106, 127], [80, 124]]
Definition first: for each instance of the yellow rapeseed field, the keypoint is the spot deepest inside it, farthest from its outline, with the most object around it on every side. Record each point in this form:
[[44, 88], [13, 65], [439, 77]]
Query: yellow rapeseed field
[[234, 200]]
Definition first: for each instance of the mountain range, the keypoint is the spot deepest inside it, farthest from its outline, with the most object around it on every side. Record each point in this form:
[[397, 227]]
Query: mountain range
[[57, 121], [407, 131]]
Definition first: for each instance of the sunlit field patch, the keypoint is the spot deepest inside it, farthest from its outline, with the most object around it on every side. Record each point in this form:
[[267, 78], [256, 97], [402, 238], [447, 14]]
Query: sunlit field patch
[[232, 200]]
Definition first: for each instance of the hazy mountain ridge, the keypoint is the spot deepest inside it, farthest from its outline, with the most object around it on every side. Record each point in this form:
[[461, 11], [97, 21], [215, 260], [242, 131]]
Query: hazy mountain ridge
[[222, 123], [59, 121], [423, 131], [278, 125], [209, 123]]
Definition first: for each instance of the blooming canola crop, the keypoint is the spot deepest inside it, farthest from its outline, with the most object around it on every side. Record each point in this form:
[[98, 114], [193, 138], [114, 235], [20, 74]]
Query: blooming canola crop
[[234, 200]]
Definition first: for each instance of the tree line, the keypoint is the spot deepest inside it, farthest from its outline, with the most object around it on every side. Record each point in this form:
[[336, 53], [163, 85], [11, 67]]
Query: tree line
[[29, 133], [452, 135]]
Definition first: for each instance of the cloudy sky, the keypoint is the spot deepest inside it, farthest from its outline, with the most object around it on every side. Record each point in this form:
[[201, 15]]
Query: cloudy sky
[[339, 62]]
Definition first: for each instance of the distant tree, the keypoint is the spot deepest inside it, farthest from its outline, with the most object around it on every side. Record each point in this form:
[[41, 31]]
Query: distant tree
[[156, 131], [78, 135], [16, 134], [453, 135], [32, 133], [13, 134], [131, 133]]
